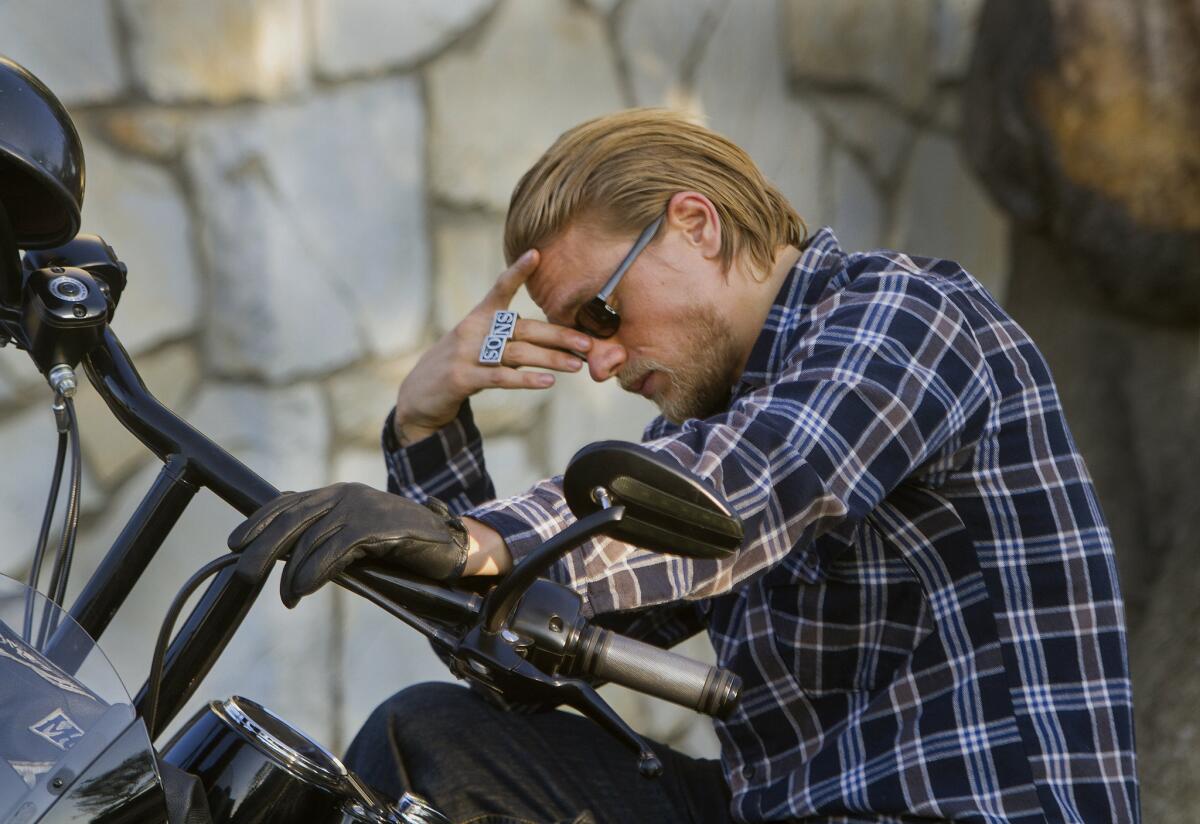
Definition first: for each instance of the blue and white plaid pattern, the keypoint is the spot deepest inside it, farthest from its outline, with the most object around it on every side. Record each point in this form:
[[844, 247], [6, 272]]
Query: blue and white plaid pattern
[[925, 613]]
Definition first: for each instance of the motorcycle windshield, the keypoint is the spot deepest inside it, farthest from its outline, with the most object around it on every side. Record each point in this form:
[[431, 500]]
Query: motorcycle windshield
[[71, 745]]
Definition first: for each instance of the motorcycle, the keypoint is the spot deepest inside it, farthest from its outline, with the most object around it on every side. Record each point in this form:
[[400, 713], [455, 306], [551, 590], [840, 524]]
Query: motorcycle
[[75, 746]]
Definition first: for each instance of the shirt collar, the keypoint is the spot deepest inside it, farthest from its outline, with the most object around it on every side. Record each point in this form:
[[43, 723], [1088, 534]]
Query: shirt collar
[[821, 262]]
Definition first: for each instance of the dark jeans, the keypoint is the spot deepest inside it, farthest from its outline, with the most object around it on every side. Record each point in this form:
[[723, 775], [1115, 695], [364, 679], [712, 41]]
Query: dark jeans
[[477, 763]]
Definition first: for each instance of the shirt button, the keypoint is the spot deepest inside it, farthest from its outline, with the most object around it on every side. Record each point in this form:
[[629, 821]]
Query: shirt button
[[747, 772]]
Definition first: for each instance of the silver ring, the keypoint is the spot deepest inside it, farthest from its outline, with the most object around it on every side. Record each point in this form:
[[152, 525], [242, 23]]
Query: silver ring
[[492, 350], [504, 323]]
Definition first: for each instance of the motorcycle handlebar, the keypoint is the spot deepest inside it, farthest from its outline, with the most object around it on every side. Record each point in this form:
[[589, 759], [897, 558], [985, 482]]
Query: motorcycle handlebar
[[649, 669], [598, 652]]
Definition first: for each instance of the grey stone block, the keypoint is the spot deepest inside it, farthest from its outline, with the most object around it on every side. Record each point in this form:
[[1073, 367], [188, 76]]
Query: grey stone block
[[154, 131], [741, 88], [19, 378], [139, 208], [870, 128], [955, 23], [282, 434], [218, 51], [660, 41], [363, 36], [862, 44], [859, 218], [361, 395], [69, 44], [483, 136], [359, 464], [315, 232], [944, 212]]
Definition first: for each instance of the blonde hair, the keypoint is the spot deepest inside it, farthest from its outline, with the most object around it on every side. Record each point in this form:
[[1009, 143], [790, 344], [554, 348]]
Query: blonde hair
[[619, 171]]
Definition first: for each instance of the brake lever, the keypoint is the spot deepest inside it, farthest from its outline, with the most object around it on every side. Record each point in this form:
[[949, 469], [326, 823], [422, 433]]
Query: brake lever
[[497, 662], [582, 696]]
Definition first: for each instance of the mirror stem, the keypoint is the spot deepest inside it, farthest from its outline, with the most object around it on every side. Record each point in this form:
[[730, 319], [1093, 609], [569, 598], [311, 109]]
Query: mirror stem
[[600, 495], [499, 602]]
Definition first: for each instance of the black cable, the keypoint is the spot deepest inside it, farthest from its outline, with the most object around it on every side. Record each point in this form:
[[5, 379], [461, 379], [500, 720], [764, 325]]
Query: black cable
[[71, 525], [39, 554], [154, 682], [66, 545]]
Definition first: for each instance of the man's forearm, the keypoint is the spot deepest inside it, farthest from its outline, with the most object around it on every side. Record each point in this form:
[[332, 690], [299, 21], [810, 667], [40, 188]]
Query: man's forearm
[[487, 553]]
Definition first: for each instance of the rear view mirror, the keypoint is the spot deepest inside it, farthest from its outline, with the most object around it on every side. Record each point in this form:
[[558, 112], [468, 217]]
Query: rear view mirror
[[666, 508]]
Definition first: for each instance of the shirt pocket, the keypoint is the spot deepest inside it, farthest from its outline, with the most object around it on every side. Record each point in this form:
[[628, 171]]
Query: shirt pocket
[[847, 632]]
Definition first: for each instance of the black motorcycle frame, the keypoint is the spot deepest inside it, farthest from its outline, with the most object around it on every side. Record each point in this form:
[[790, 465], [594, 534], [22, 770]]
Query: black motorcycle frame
[[191, 461]]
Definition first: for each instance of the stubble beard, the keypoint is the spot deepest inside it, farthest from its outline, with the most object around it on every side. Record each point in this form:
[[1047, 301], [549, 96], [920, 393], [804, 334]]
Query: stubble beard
[[701, 386]]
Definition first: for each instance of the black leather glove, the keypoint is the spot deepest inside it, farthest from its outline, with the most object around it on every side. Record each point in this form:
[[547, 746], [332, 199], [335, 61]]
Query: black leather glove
[[325, 530]]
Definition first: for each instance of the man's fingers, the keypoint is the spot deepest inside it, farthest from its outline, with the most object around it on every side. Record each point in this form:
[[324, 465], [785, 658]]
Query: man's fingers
[[250, 528], [504, 377], [519, 353], [510, 280], [274, 540], [551, 335], [307, 567]]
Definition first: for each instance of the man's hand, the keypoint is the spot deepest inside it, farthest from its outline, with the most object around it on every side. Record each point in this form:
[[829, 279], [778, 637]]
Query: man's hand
[[325, 530], [450, 372]]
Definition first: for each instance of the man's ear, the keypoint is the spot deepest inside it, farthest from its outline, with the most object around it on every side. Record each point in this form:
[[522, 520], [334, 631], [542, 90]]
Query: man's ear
[[695, 216]]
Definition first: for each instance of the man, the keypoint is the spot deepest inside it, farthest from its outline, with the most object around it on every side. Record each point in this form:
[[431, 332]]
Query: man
[[925, 610]]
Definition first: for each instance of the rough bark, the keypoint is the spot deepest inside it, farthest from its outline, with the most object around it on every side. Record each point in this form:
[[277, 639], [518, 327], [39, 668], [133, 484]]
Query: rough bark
[[1131, 390], [1081, 117]]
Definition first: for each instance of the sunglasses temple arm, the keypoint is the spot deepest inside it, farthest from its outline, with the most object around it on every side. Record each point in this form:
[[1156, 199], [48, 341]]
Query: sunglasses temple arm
[[643, 241]]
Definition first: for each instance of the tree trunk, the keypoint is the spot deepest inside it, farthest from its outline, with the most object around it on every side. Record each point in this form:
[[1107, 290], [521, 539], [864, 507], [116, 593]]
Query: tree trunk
[[1081, 117]]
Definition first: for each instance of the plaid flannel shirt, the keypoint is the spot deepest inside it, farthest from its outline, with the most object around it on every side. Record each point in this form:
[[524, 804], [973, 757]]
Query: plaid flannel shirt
[[925, 611]]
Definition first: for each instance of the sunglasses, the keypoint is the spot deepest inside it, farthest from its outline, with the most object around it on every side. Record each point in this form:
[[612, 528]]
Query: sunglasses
[[596, 317]]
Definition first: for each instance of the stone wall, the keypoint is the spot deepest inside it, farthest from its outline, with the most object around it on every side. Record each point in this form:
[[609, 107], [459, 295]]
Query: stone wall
[[308, 192]]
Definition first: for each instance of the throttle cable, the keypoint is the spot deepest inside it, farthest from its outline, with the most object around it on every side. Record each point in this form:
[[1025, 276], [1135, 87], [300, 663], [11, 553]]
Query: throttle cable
[[154, 681], [66, 546], [39, 554]]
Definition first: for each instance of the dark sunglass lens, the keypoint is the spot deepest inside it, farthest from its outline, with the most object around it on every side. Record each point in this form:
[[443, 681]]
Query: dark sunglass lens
[[598, 319]]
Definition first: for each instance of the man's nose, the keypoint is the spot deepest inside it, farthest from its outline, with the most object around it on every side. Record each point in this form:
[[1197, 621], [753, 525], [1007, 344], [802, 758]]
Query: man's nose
[[605, 358]]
